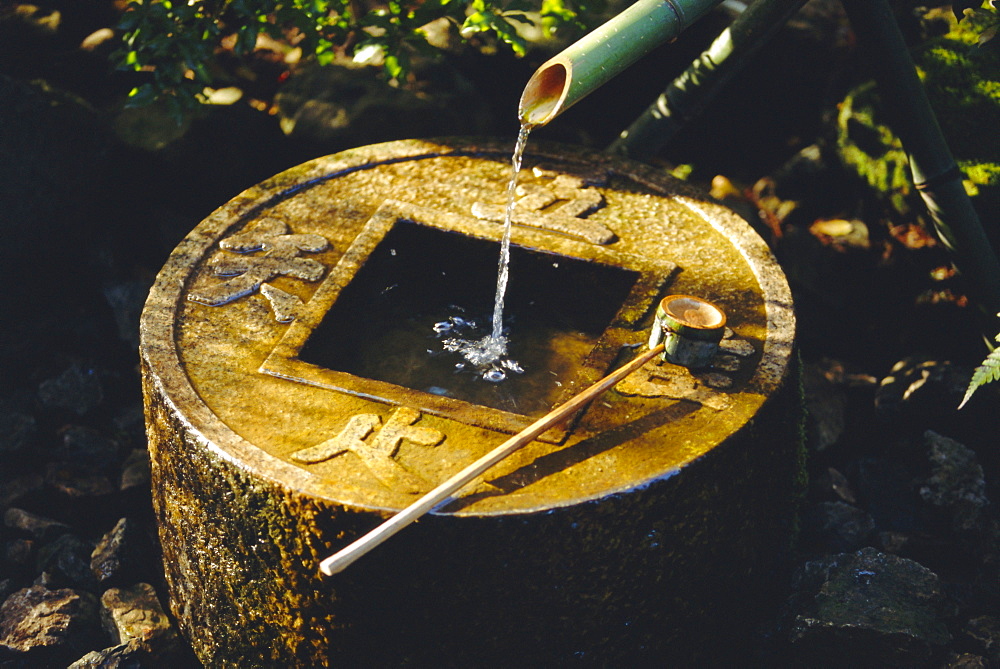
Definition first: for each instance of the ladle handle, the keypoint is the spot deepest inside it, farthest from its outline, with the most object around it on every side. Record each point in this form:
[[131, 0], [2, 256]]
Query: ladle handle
[[347, 555]]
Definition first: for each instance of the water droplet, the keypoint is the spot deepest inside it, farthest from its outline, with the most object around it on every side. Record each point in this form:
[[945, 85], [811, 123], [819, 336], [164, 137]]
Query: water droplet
[[512, 365], [494, 375]]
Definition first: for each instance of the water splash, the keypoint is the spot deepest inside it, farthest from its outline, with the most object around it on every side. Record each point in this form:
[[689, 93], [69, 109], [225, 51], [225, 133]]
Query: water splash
[[487, 357]]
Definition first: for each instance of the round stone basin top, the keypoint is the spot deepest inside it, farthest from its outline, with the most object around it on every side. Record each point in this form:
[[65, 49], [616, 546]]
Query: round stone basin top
[[299, 329]]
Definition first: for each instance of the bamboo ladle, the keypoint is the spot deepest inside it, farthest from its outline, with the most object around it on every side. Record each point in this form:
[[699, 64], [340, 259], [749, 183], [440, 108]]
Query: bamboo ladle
[[339, 561]]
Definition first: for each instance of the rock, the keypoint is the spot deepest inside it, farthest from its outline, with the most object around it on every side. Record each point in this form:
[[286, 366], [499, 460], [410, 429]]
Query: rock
[[957, 482], [825, 384], [965, 661], [87, 447], [919, 546], [49, 624], [20, 551], [117, 554], [135, 471], [833, 486], [19, 554], [67, 559], [839, 526], [825, 403], [133, 616], [13, 491], [98, 39], [841, 234], [37, 526], [126, 300], [868, 605], [47, 580], [122, 656], [17, 430], [984, 633], [77, 482], [78, 389]]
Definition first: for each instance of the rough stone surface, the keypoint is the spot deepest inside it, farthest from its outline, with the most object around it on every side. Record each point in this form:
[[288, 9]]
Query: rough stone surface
[[88, 447], [12, 491], [135, 471], [16, 431], [20, 554], [840, 526], [77, 389], [966, 661], [48, 623], [78, 482], [35, 525], [67, 558], [867, 605], [122, 656], [116, 554], [134, 613], [957, 481], [135, 619], [984, 633]]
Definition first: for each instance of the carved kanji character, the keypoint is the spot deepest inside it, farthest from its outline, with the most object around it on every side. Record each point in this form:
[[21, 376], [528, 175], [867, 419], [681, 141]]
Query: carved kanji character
[[654, 380], [378, 455], [351, 438], [535, 208], [247, 273]]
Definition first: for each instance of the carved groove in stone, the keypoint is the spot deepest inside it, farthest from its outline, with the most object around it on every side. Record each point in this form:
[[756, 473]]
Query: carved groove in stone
[[378, 454], [654, 380], [246, 274], [284, 305], [558, 205]]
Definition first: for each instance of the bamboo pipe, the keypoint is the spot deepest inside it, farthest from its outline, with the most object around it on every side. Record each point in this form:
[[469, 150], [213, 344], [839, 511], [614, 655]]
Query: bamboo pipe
[[603, 53], [339, 561]]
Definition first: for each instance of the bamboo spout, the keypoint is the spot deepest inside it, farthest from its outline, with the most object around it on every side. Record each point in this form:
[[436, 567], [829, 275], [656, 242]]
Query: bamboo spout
[[603, 53]]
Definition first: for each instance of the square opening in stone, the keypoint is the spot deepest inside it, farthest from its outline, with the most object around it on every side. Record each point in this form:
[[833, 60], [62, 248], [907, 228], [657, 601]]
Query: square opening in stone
[[381, 326]]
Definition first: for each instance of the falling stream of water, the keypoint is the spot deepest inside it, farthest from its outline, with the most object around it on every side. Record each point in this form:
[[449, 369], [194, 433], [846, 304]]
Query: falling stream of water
[[504, 264], [488, 354]]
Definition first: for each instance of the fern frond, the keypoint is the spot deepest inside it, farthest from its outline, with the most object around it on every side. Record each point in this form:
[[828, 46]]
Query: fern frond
[[985, 373]]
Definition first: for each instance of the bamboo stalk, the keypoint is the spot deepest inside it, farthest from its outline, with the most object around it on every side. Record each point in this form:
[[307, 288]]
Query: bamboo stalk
[[935, 173], [348, 555], [603, 53], [691, 92]]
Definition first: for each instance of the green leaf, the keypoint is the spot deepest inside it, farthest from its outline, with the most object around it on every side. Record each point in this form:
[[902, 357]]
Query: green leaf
[[140, 96], [397, 64], [246, 39], [987, 372]]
